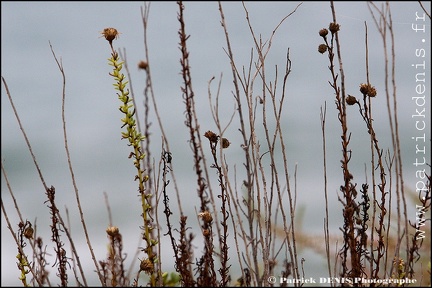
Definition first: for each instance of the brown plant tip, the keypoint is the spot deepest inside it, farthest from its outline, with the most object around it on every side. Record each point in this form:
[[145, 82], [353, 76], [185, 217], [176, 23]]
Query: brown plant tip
[[28, 233], [110, 34], [143, 65], [322, 48], [147, 266], [334, 27], [351, 100], [206, 233], [211, 136], [206, 216], [323, 32], [112, 231], [367, 89], [372, 92], [225, 143]]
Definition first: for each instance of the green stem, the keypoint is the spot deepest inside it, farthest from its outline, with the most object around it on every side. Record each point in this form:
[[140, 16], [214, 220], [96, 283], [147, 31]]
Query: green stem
[[135, 138]]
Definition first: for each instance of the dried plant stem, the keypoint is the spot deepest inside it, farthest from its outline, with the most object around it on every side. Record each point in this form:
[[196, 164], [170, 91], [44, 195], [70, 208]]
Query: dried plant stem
[[60, 66], [21, 255], [64, 227], [326, 226], [207, 274]]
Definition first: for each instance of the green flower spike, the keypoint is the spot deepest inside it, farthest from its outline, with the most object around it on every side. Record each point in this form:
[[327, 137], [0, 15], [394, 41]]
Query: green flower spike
[[135, 138]]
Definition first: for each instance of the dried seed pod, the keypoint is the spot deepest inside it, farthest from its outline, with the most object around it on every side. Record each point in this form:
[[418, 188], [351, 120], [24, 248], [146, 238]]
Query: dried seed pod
[[367, 89], [147, 266], [211, 136], [351, 100], [112, 231], [334, 27], [28, 232], [110, 34], [206, 216], [323, 32], [143, 65], [225, 143], [206, 233], [322, 48]]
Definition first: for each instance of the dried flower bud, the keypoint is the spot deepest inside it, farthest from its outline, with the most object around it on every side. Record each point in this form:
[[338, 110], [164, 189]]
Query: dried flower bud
[[323, 32], [322, 48], [225, 143], [110, 34], [112, 231], [206, 216], [143, 65], [147, 266], [372, 92], [211, 136], [334, 27], [364, 88], [206, 232], [351, 100], [367, 89], [28, 232]]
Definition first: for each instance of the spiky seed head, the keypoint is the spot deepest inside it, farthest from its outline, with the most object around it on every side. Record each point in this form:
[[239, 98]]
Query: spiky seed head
[[110, 34], [147, 266], [334, 27], [367, 89], [372, 92]]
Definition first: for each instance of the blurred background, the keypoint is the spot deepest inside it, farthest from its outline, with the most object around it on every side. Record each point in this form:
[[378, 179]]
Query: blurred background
[[99, 157]]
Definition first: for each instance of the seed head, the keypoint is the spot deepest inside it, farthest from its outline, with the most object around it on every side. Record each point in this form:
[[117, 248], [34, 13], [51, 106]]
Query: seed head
[[322, 48], [225, 143], [143, 65], [351, 100], [206, 232], [372, 92], [367, 89], [323, 32], [110, 34], [28, 232], [206, 216], [211, 136], [334, 27], [112, 231], [147, 266]]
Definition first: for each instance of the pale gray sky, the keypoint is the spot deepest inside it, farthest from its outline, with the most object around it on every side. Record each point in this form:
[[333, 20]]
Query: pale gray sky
[[99, 156]]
